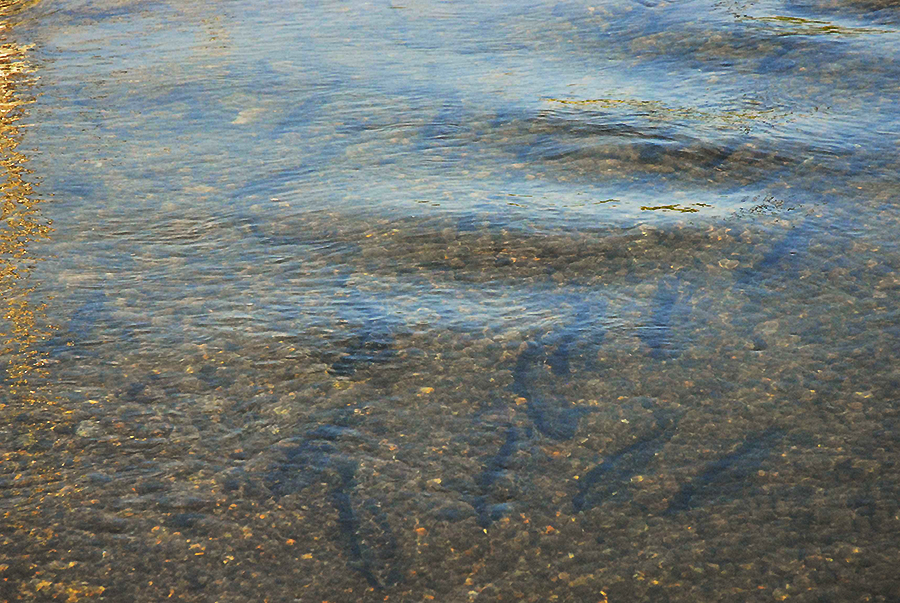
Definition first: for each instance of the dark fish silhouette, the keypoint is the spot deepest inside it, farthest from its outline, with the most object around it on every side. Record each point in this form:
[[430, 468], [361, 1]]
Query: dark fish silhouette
[[371, 547], [726, 478], [781, 263], [611, 478], [84, 322], [302, 237], [373, 341], [364, 531], [445, 128], [92, 324], [489, 217], [300, 116], [585, 327], [657, 333], [302, 460], [780, 260], [552, 416], [486, 505], [369, 346]]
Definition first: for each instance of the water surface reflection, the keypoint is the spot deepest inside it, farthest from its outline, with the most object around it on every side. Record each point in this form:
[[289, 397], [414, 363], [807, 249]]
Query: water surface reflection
[[431, 302]]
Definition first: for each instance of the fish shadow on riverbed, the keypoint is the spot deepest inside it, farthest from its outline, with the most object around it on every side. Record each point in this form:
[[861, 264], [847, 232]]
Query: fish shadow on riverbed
[[365, 532], [91, 326], [542, 363], [780, 263], [584, 141], [363, 529], [760, 283], [372, 341], [492, 502], [727, 478], [611, 479], [670, 306], [82, 333], [552, 415], [370, 345]]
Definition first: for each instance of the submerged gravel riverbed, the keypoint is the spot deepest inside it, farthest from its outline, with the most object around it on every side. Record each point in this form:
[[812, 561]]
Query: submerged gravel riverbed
[[364, 302]]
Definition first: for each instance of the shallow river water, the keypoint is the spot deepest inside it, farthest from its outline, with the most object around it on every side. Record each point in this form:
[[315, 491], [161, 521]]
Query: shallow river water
[[415, 300]]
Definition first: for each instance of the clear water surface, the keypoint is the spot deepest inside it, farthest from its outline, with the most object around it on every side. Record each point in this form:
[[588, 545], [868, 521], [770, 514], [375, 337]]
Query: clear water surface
[[419, 300]]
